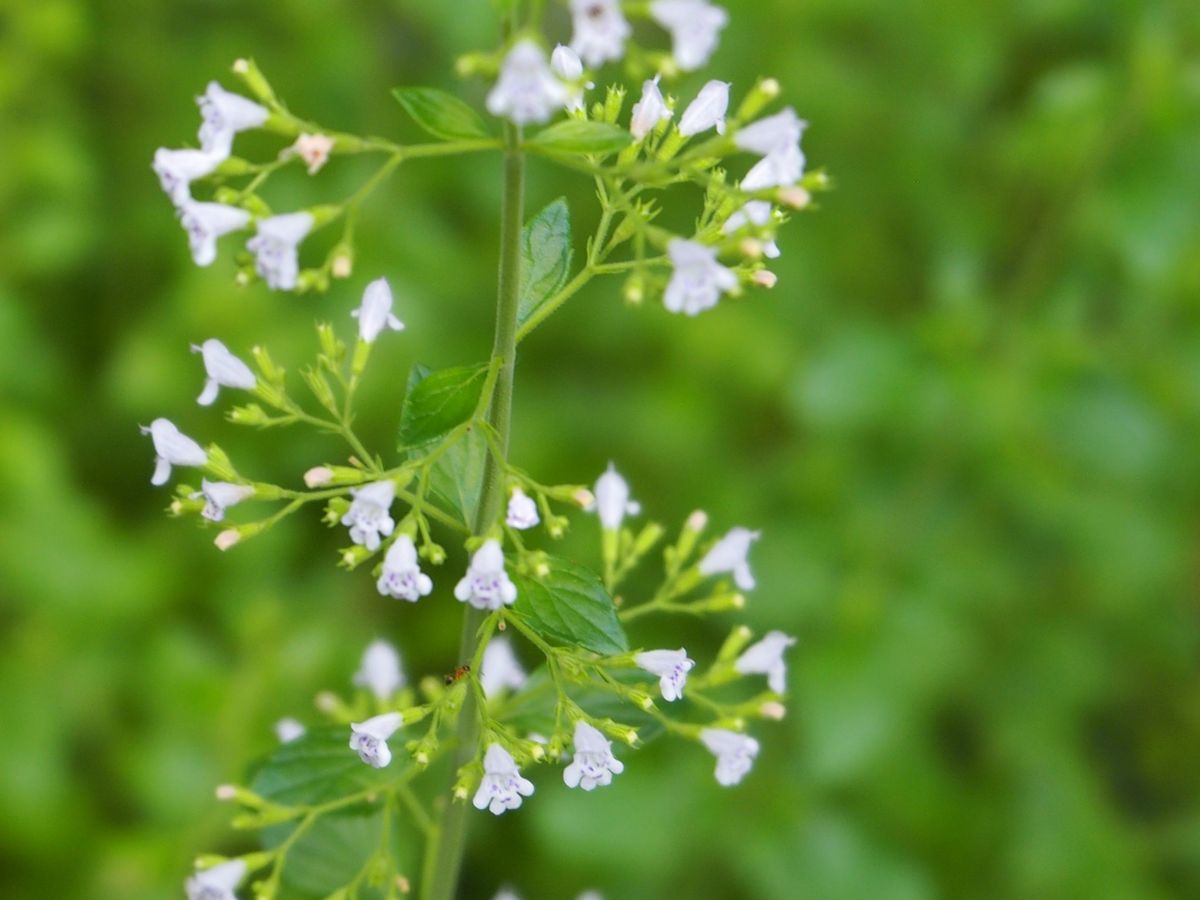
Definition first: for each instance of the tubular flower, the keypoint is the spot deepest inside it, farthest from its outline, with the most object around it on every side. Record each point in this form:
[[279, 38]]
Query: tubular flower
[[402, 577], [172, 448], [698, 280], [369, 515], [695, 27], [593, 764], [276, 248], [500, 669], [757, 213], [223, 370], [177, 169], [205, 223], [486, 585], [369, 739], [612, 501], [502, 786], [527, 91], [522, 513], [648, 111], [225, 114], [219, 496], [217, 882], [707, 110], [374, 314], [671, 667], [735, 753], [731, 554], [766, 658], [380, 672], [600, 31]]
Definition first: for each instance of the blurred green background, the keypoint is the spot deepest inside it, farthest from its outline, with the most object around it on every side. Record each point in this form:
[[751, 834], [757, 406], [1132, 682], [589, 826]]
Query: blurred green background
[[966, 421]]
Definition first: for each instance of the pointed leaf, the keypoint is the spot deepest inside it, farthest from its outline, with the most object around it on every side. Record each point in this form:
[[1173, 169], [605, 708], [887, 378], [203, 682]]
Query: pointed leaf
[[576, 136], [439, 401], [570, 604], [545, 257], [442, 115], [319, 767]]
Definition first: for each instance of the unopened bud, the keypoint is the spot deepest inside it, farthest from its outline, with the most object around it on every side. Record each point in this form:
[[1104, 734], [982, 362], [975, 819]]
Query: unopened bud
[[403, 885], [751, 247], [240, 66], [342, 266], [327, 702], [635, 293], [537, 751], [353, 557], [227, 539], [765, 278], [697, 521], [460, 793], [795, 196], [226, 792], [318, 476], [585, 498], [772, 709]]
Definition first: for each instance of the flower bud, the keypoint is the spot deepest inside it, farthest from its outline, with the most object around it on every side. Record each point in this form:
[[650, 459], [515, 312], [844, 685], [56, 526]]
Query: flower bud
[[734, 644], [757, 99], [751, 247], [795, 196], [697, 521], [772, 709], [255, 81], [614, 101], [318, 476], [585, 498], [353, 557], [271, 372], [342, 265], [765, 278], [227, 539]]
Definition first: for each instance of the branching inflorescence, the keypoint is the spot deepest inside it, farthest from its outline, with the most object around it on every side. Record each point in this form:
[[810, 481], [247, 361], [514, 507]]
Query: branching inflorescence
[[451, 478]]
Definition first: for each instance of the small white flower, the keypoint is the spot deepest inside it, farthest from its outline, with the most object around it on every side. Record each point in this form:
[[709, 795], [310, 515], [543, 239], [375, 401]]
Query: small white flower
[[566, 65], [707, 110], [735, 753], [368, 517], [757, 213], [486, 585], [219, 496], [772, 134], [522, 511], [288, 730], [369, 739], [217, 882], [766, 658], [172, 448], [223, 370], [611, 500], [695, 26], [402, 577], [225, 114], [500, 669], [177, 169], [593, 764], [506, 894], [782, 168], [648, 111], [314, 150], [374, 314], [380, 672], [502, 786], [527, 90], [600, 30], [730, 554], [671, 667], [275, 248], [698, 280], [205, 222]]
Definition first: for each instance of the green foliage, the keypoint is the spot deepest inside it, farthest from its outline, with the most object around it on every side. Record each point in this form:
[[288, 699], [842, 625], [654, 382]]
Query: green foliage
[[574, 136], [442, 115], [317, 768], [570, 603], [438, 401], [545, 257]]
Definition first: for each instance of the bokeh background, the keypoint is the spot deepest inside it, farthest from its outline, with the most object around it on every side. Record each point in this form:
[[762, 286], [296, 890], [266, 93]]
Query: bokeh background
[[966, 421]]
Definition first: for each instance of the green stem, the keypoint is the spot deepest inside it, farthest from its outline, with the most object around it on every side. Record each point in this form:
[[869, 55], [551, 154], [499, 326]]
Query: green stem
[[450, 830]]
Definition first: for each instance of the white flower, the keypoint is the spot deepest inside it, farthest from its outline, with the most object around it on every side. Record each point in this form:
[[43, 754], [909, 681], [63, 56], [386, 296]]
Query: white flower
[[368, 516], [223, 370], [219, 496], [672, 667], [374, 314], [698, 280], [225, 114], [527, 90], [275, 248], [369, 739], [205, 222], [772, 134], [611, 501], [648, 111], [600, 30], [522, 511], [314, 149], [783, 168], [507, 894], [766, 658], [288, 730], [380, 671], [566, 65], [707, 110], [729, 554], [694, 25], [734, 752], [593, 764], [502, 786], [217, 882], [402, 577], [758, 213], [172, 448], [500, 668], [177, 169], [486, 584]]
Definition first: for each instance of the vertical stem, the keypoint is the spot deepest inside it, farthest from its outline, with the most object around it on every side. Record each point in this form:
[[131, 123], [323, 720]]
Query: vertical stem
[[448, 838]]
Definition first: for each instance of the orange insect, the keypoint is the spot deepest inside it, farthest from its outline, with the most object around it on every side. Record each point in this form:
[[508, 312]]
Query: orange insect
[[457, 674]]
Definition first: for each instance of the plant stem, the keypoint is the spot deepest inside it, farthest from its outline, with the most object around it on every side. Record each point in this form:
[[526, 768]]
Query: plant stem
[[449, 835]]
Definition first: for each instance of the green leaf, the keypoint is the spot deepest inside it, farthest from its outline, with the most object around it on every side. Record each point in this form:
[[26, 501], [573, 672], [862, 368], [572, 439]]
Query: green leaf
[[457, 477], [442, 115], [331, 852], [438, 401], [571, 604], [545, 257], [576, 136], [535, 707], [317, 768]]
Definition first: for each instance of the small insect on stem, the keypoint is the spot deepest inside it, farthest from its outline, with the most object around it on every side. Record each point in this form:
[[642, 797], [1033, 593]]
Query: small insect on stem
[[457, 674]]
